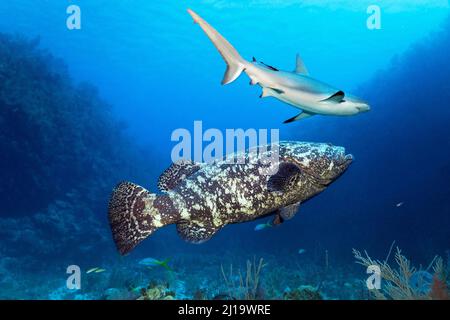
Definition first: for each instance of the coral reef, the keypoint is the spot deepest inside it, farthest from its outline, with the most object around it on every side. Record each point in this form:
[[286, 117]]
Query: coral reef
[[197, 277], [157, 291], [303, 293], [398, 284], [62, 152]]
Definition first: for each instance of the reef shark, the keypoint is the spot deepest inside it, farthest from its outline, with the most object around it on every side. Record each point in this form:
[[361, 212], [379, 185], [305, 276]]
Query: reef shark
[[296, 88], [202, 198]]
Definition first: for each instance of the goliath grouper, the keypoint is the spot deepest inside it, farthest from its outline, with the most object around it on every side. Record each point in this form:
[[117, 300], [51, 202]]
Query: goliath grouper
[[203, 198]]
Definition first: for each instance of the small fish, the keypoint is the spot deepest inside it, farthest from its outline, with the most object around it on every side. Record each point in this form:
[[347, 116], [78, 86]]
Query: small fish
[[301, 251], [151, 262], [137, 289], [92, 270], [99, 270], [263, 226], [398, 205]]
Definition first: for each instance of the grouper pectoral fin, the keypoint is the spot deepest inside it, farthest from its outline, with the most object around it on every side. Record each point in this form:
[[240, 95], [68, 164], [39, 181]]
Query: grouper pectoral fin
[[177, 172], [300, 67], [270, 92], [300, 116], [285, 179], [277, 219], [289, 211], [196, 232]]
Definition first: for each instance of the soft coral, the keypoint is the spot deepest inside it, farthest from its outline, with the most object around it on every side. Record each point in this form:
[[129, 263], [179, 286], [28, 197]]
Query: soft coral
[[439, 289]]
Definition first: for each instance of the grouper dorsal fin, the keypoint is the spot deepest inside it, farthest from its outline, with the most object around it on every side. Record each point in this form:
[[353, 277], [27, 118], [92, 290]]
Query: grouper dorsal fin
[[300, 67], [177, 172], [287, 176], [336, 98]]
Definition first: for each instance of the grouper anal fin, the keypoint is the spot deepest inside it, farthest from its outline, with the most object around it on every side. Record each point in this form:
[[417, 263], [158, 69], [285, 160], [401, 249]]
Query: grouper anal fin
[[196, 232]]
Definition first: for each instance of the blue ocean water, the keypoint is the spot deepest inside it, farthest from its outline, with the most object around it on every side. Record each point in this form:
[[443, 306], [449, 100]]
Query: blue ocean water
[[65, 144]]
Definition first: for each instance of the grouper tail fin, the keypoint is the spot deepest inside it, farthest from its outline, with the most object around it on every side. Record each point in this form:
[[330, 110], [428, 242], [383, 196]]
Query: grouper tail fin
[[135, 213], [235, 63]]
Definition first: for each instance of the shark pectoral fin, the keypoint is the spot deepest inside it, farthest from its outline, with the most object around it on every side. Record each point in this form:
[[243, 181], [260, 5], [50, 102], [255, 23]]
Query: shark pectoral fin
[[270, 92], [300, 116], [300, 67], [195, 233], [286, 177], [289, 211], [336, 98]]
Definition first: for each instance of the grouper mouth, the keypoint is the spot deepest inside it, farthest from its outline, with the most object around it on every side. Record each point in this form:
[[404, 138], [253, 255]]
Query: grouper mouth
[[340, 158], [338, 164], [345, 160], [341, 163]]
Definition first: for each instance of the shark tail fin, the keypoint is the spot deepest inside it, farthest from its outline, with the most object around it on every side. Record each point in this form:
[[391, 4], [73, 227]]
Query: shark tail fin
[[235, 63], [135, 213]]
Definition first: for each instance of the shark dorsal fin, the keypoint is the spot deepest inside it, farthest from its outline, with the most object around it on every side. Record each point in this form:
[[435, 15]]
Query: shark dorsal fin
[[300, 66], [337, 97]]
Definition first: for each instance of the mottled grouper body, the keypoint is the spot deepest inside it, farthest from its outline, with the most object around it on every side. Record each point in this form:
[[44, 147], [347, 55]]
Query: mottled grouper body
[[203, 198]]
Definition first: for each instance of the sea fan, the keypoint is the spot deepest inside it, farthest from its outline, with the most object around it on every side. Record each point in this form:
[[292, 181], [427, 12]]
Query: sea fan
[[439, 289], [398, 285]]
